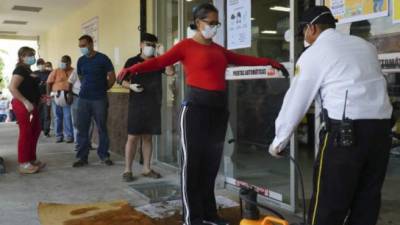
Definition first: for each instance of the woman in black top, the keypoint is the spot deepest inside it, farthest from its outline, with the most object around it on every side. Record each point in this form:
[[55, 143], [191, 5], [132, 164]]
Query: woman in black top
[[24, 87]]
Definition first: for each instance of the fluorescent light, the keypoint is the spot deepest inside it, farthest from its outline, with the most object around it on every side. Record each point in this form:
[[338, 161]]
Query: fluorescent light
[[188, 0], [269, 32], [280, 8], [252, 18]]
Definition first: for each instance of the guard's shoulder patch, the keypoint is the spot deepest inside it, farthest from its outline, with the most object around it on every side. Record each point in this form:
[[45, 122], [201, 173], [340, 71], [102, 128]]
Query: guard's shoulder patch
[[297, 70]]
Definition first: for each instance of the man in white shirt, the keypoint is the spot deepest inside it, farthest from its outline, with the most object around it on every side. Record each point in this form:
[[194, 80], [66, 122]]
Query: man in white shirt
[[344, 73], [74, 89]]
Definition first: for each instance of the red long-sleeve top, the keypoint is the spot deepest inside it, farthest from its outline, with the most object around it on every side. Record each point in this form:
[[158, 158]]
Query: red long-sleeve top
[[204, 65]]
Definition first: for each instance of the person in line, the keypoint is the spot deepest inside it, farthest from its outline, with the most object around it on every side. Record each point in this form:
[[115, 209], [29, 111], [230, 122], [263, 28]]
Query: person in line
[[26, 96], [204, 115], [57, 83], [45, 100], [144, 112], [344, 74], [97, 76], [4, 108], [48, 66], [74, 89]]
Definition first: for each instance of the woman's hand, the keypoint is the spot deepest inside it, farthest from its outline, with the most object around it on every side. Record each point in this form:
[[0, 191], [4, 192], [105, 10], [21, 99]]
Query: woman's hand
[[276, 64], [28, 105], [122, 75], [136, 88]]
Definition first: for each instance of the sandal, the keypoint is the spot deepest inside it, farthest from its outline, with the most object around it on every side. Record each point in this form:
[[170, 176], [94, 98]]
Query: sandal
[[28, 168], [127, 177], [39, 164], [152, 174]]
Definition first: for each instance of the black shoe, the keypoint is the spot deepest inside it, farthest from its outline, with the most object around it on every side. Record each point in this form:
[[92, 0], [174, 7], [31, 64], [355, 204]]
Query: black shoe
[[216, 221], [128, 177], [80, 163], [69, 141], [108, 162], [59, 140], [2, 167]]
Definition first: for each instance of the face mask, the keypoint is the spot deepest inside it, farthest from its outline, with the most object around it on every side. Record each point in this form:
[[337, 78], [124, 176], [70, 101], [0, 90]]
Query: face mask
[[148, 51], [84, 51], [63, 65], [306, 44], [29, 60], [41, 67], [209, 31]]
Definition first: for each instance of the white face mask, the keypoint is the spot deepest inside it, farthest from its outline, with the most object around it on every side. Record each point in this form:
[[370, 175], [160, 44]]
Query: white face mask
[[306, 44], [41, 67], [148, 51], [209, 31]]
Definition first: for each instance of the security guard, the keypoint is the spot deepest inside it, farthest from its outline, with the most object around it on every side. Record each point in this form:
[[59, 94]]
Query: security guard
[[344, 74]]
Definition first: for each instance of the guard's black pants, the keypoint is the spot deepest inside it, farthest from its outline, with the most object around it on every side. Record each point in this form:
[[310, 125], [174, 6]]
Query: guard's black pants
[[203, 131], [348, 181]]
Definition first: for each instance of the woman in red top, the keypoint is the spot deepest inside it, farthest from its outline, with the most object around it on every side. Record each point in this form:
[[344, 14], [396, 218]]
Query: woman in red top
[[204, 115]]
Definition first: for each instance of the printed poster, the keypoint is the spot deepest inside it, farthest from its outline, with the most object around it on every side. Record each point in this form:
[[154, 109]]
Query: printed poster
[[396, 11], [239, 24], [347, 11], [91, 28]]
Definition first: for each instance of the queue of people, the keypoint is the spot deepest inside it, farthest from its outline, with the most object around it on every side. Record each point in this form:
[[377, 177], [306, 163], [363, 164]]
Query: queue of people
[[353, 157]]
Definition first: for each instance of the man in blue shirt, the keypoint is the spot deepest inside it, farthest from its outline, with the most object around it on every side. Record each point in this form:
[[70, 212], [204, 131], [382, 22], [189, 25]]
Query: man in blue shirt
[[97, 75]]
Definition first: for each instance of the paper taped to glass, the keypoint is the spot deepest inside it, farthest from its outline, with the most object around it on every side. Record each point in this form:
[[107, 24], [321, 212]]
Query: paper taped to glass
[[252, 72]]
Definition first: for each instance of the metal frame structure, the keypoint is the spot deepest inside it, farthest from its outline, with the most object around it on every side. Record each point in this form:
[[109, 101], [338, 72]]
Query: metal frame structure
[[292, 206]]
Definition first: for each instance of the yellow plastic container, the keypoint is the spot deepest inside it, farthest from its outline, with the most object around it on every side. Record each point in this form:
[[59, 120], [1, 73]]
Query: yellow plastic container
[[269, 220]]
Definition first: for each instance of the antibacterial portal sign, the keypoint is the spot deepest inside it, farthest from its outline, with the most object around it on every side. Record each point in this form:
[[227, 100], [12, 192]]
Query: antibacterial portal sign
[[239, 24], [347, 11]]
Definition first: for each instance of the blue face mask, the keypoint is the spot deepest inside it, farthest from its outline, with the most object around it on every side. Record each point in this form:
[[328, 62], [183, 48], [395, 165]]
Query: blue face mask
[[30, 60], [63, 65], [84, 51]]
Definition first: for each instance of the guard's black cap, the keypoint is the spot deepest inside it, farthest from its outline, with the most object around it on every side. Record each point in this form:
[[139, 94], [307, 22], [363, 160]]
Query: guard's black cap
[[316, 15]]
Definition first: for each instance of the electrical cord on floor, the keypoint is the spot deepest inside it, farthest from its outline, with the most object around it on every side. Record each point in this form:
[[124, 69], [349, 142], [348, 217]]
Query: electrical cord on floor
[[285, 154]]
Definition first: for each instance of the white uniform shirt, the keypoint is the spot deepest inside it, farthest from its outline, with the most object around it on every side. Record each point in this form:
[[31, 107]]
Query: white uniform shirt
[[76, 83], [333, 64]]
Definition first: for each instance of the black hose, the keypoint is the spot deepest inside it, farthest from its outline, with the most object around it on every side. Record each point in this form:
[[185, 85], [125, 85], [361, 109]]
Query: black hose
[[298, 171], [264, 207]]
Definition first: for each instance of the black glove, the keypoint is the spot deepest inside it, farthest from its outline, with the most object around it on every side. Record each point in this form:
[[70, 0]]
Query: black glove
[[284, 71]]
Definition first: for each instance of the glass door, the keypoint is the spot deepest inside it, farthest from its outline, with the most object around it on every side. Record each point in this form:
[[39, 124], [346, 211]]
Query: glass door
[[167, 29], [254, 106]]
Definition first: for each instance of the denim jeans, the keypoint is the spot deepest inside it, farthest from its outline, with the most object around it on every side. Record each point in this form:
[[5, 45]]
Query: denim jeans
[[74, 116], [3, 118], [88, 109], [63, 122]]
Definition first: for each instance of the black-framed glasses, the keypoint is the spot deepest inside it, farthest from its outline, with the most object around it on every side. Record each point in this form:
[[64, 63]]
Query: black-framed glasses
[[212, 23], [150, 44]]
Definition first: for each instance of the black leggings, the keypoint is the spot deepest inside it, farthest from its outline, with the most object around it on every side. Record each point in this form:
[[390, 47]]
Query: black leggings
[[203, 129]]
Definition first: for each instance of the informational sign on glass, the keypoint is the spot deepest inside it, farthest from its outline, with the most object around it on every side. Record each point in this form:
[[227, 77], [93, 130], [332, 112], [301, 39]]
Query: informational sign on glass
[[239, 24], [91, 28], [347, 11], [396, 11]]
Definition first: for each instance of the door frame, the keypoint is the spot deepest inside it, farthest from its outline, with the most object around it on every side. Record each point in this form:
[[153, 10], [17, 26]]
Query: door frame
[[292, 206]]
